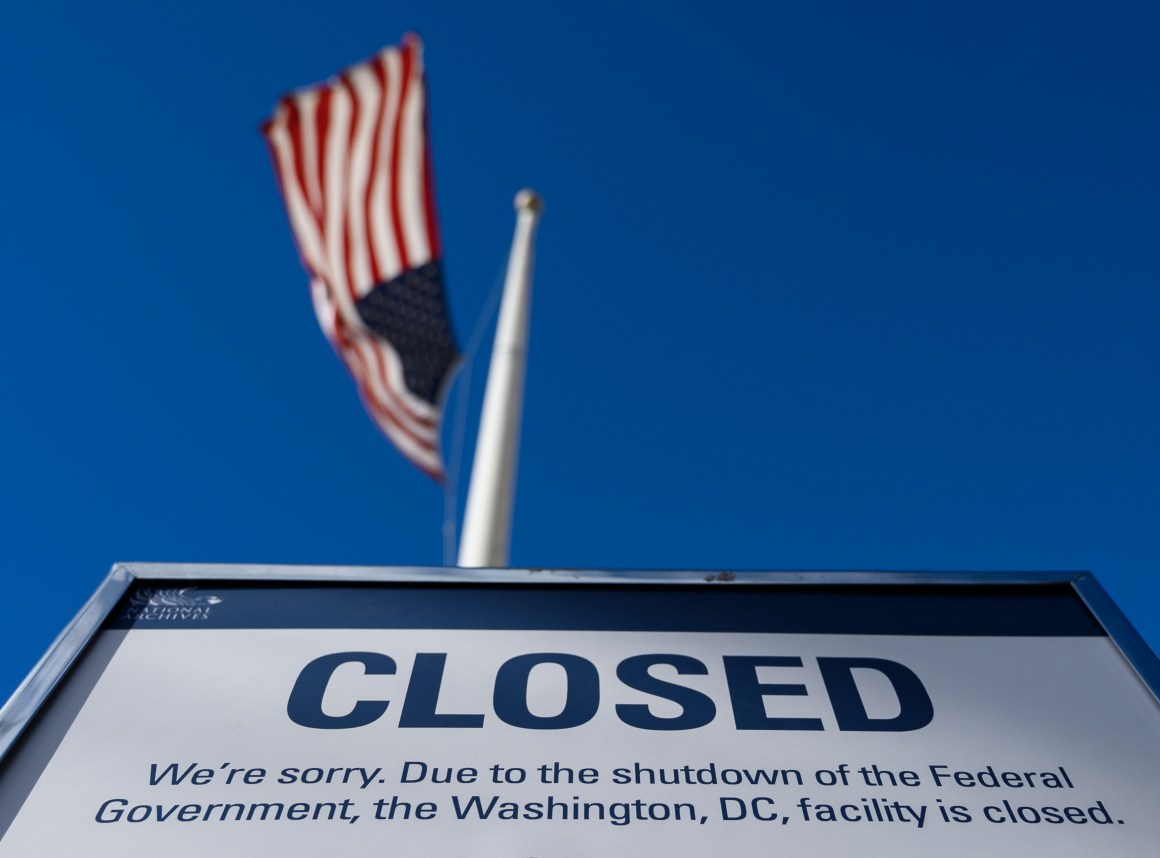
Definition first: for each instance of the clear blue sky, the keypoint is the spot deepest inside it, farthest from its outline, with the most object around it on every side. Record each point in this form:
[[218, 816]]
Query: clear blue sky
[[819, 286]]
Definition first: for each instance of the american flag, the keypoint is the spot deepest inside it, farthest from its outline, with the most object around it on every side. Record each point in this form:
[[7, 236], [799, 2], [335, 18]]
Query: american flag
[[354, 168]]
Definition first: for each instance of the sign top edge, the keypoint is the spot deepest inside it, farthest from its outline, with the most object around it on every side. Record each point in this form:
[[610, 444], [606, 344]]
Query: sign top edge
[[265, 572]]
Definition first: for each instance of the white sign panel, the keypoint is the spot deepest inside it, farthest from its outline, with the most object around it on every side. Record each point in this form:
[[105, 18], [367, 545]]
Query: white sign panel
[[506, 720]]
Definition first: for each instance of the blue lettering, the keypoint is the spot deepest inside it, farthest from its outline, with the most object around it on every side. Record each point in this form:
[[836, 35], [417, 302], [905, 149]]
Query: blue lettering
[[305, 705], [581, 701], [917, 710], [747, 694], [697, 709], [423, 696]]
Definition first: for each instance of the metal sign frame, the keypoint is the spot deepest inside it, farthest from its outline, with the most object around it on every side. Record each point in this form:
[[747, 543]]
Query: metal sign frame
[[1038, 679]]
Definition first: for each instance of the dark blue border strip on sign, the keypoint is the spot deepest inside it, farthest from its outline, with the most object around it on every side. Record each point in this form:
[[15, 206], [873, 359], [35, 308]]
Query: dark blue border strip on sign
[[993, 610]]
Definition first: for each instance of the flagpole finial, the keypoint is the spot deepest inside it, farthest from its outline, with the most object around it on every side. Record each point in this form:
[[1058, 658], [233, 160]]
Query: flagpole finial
[[529, 200]]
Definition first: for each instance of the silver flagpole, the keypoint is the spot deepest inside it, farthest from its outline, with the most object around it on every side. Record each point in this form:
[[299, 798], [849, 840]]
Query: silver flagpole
[[487, 520]]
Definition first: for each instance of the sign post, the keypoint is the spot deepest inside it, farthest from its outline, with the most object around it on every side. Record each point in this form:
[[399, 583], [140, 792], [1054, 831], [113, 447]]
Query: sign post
[[289, 710]]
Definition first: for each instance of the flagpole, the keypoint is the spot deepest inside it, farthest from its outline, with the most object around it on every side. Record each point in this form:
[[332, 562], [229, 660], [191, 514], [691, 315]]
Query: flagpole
[[487, 520]]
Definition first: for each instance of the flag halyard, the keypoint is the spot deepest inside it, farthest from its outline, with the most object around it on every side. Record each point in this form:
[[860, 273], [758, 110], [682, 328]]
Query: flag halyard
[[353, 164]]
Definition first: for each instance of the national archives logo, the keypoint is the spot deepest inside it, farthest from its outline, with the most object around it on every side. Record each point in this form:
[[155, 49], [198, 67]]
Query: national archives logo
[[152, 605]]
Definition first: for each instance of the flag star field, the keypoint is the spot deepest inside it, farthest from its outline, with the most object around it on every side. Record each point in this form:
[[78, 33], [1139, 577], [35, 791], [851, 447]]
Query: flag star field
[[817, 286]]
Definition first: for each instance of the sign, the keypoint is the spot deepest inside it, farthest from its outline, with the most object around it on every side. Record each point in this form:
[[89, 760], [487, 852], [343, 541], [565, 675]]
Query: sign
[[232, 710]]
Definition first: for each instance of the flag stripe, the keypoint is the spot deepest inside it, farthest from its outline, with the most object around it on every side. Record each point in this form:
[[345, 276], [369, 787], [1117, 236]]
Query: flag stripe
[[347, 172], [318, 135], [434, 239], [307, 151], [365, 362], [396, 159], [305, 224], [379, 75], [382, 236], [366, 99], [354, 169], [411, 177]]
